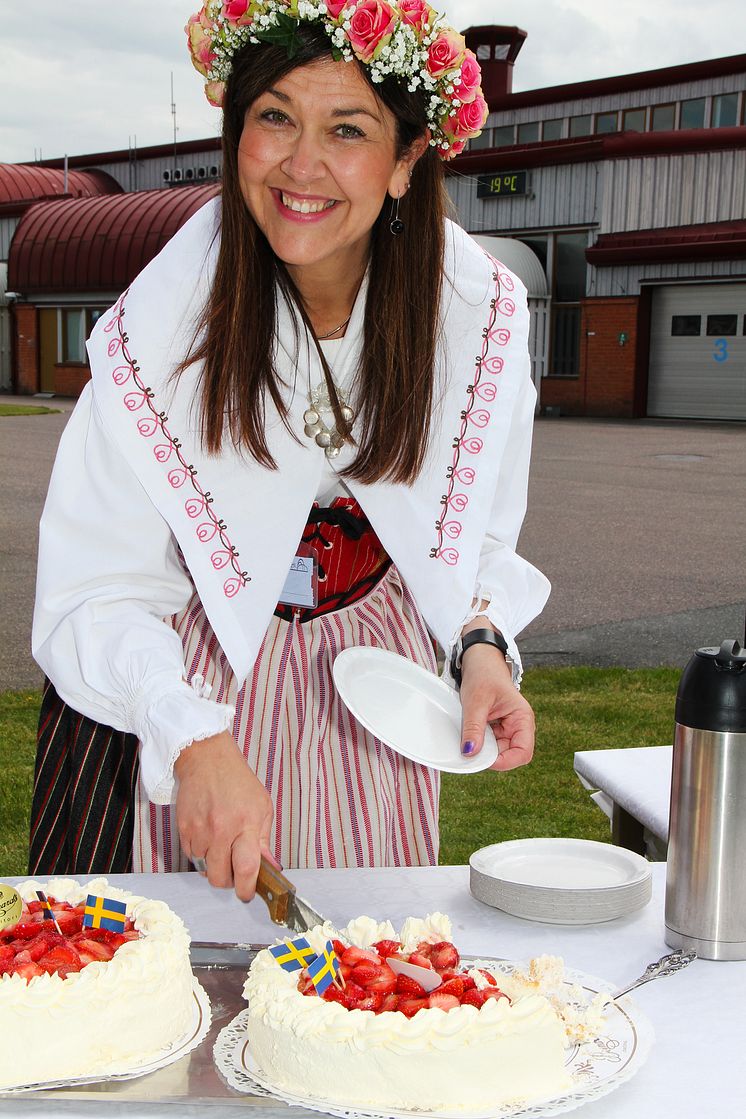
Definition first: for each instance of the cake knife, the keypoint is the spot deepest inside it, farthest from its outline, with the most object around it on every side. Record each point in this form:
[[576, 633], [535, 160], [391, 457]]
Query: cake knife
[[284, 905]]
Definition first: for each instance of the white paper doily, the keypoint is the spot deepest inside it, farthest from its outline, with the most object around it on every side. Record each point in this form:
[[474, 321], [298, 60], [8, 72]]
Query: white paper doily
[[597, 1067], [199, 1027]]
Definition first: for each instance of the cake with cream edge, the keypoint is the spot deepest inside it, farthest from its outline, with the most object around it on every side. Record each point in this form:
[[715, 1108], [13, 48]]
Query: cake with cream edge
[[110, 1014], [476, 1042]]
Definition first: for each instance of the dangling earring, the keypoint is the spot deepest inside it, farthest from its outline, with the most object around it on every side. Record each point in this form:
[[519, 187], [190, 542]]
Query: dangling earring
[[396, 225]]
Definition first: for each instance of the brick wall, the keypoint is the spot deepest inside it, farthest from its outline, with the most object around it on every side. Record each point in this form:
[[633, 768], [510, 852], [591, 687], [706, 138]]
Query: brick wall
[[608, 372], [70, 380], [27, 349]]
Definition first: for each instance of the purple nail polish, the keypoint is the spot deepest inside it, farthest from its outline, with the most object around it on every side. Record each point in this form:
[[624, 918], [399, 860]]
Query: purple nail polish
[[468, 748]]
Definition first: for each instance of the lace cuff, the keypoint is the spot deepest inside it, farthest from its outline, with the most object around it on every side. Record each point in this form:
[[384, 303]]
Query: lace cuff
[[483, 607]]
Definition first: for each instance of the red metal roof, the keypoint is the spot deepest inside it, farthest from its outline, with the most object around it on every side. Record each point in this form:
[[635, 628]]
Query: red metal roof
[[28, 182], [97, 244], [708, 241]]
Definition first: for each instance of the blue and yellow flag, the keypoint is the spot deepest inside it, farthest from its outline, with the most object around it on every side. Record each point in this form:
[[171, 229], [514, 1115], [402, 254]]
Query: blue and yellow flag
[[293, 955], [324, 969], [46, 909], [104, 913]]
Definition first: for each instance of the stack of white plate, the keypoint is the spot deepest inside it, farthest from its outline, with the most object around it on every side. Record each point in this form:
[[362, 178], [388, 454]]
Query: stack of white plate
[[561, 881]]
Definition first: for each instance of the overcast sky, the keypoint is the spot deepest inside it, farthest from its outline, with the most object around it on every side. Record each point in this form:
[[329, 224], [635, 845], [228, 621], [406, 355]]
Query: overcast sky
[[85, 76]]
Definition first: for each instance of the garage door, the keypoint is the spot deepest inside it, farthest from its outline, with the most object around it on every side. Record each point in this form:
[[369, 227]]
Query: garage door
[[698, 352]]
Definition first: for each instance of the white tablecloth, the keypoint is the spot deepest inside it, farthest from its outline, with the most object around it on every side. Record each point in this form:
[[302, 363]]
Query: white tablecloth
[[696, 1067], [637, 778]]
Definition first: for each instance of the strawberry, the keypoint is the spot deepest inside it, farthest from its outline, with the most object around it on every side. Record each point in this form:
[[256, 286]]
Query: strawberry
[[488, 976], [452, 987], [372, 1001], [424, 948], [494, 993], [419, 960], [305, 983], [92, 950], [41, 944], [352, 995], [106, 936], [130, 934], [472, 997], [26, 930], [363, 974], [390, 1002], [6, 952], [333, 994], [27, 969], [62, 960], [384, 981], [409, 987], [409, 1007], [440, 1001], [34, 907], [339, 948], [354, 956], [386, 948], [444, 955], [69, 921]]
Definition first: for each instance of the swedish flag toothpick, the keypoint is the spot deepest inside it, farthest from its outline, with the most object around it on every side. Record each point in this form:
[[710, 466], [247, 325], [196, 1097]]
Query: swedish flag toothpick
[[293, 955], [46, 909], [324, 969], [105, 913]]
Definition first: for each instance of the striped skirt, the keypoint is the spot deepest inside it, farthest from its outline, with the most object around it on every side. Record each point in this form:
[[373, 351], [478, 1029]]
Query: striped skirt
[[341, 797]]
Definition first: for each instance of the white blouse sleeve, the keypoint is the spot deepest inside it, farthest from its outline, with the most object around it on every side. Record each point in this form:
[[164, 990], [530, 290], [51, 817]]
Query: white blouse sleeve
[[515, 591], [108, 576]]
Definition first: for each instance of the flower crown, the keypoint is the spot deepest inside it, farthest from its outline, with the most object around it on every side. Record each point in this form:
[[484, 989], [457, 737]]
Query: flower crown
[[405, 38]]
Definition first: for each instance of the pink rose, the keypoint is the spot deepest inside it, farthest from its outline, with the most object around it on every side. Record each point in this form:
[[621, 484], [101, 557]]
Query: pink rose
[[371, 26], [234, 9], [446, 53], [471, 117], [416, 12], [456, 149], [200, 45], [215, 93], [334, 7], [468, 82]]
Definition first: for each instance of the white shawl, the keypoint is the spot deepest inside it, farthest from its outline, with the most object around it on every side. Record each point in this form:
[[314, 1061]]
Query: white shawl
[[132, 482]]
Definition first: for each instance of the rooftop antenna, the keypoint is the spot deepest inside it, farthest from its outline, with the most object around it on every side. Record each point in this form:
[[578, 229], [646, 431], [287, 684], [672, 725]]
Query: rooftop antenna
[[173, 114], [65, 182]]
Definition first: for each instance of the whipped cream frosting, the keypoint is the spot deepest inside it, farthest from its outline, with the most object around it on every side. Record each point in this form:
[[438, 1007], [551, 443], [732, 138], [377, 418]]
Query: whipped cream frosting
[[110, 1013]]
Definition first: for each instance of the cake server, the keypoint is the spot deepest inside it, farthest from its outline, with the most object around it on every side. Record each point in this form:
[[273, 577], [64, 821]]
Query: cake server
[[283, 903]]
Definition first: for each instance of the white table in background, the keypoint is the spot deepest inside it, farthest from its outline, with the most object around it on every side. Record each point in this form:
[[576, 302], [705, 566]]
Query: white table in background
[[632, 786], [694, 1069]]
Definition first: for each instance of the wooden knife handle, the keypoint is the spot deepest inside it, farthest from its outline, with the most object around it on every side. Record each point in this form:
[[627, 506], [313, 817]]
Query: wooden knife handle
[[276, 890]]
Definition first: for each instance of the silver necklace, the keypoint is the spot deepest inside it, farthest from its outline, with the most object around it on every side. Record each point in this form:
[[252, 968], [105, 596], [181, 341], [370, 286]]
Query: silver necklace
[[325, 434], [331, 333]]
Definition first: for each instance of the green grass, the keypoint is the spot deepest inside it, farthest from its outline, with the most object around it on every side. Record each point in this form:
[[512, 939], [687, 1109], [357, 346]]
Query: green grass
[[576, 709], [25, 410]]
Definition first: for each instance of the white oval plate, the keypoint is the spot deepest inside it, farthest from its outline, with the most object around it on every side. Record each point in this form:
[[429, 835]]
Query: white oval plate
[[561, 864], [410, 709]]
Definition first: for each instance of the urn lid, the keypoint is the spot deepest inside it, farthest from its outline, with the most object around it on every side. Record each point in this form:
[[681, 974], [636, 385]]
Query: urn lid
[[712, 690]]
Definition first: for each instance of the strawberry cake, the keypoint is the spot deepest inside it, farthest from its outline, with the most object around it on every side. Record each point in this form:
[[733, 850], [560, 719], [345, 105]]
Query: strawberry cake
[[409, 1025], [83, 1001]]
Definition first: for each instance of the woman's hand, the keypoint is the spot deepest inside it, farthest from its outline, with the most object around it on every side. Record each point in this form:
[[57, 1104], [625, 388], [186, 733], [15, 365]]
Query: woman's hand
[[489, 696], [224, 813]]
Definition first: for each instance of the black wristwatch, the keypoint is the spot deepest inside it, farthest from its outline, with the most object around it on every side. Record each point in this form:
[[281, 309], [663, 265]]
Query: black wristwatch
[[475, 637]]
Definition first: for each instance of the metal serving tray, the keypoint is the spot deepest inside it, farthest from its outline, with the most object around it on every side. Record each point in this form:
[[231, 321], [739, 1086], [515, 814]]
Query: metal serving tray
[[192, 1081]]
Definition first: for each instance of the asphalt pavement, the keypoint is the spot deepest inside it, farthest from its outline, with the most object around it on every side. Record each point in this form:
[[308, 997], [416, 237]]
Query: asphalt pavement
[[640, 526]]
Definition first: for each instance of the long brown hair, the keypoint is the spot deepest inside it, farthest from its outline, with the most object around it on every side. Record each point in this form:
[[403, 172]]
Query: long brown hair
[[234, 338]]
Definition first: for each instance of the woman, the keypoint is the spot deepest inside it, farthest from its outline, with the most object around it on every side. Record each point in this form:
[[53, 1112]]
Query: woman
[[325, 341]]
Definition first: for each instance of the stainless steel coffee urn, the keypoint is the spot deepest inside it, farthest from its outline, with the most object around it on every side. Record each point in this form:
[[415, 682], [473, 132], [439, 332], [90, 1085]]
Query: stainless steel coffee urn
[[706, 873]]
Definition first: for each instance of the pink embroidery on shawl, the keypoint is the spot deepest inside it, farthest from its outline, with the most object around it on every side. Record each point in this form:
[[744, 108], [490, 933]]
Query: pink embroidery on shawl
[[481, 392], [168, 448]]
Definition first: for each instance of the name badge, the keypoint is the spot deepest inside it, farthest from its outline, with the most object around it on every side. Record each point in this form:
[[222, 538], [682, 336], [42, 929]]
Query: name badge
[[302, 584]]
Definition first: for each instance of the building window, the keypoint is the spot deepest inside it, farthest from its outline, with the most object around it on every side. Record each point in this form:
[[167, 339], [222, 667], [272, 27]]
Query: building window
[[662, 118], [693, 113], [724, 110], [606, 122], [483, 140], [484, 51], [581, 126], [504, 136], [722, 326], [552, 129], [686, 326], [633, 120], [528, 133], [76, 323], [569, 284]]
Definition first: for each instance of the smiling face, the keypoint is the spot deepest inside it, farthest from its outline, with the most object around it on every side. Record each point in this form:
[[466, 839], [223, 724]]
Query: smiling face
[[316, 159]]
